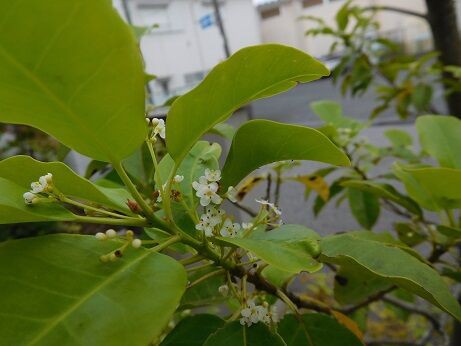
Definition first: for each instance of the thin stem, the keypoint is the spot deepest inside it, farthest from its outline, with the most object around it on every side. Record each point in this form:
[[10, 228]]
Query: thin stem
[[170, 241], [111, 221], [84, 206], [203, 266], [191, 260], [287, 301], [205, 277], [246, 209], [137, 196], [450, 217]]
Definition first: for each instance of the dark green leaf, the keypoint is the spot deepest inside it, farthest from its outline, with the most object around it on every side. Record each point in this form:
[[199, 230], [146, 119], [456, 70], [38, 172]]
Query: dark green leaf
[[364, 207], [193, 330]]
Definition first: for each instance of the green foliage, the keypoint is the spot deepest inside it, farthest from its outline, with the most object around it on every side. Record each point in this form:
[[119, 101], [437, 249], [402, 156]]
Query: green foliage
[[189, 118], [80, 72], [316, 330], [386, 261], [76, 298], [255, 145], [187, 272]]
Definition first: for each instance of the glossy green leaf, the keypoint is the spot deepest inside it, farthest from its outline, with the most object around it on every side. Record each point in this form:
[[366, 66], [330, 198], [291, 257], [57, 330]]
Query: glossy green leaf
[[13, 209], [434, 188], [56, 291], [386, 191], [315, 330], [249, 74], [204, 293], [440, 137], [398, 138], [364, 207], [224, 130], [193, 330], [23, 170], [276, 276], [73, 69], [450, 232], [291, 248], [234, 334], [259, 142], [385, 261]]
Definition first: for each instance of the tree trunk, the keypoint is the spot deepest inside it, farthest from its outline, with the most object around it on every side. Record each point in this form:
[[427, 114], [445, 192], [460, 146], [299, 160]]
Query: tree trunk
[[441, 15]]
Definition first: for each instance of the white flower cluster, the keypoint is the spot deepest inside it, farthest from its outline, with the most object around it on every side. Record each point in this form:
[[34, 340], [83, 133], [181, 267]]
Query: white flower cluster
[[158, 126], [43, 185], [252, 313], [207, 187]]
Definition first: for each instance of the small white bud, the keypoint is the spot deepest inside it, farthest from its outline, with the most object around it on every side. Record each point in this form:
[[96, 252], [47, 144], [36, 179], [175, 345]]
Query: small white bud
[[136, 243], [100, 236], [110, 233], [224, 290], [178, 178], [29, 197]]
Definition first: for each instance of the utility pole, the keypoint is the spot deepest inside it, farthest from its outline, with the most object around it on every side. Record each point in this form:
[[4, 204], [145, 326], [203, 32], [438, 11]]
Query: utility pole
[[219, 23]]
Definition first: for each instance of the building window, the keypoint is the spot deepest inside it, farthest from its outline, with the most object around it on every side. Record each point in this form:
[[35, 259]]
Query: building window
[[309, 3], [270, 12]]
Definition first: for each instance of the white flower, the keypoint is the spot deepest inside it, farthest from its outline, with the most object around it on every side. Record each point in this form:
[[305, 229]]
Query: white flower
[[252, 313], [29, 197], [214, 215], [205, 226], [136, 243], [178, 178], [231, 194], [247, 225], [159, 127], [229, 229], [206, 192], [212, 175], [43, 183], [271, 206]]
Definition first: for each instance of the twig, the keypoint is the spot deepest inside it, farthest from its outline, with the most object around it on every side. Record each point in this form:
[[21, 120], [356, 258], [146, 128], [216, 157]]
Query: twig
[[435, 323], [368, 301], [397, 10], [246, 209], [269, 187]]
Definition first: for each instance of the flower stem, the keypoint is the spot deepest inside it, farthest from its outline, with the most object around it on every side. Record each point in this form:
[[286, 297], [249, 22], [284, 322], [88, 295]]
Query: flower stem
[[98, 210], [137, 196], [205, 277], [111, 221], [170, 241]]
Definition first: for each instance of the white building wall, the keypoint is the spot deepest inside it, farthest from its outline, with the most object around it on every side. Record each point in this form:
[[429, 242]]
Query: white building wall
[[180, 48]]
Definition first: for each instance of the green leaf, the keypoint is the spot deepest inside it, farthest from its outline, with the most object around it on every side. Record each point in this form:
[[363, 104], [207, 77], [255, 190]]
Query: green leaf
[[364, 207], [331, 113], [450, 232], [342, 16], [421, 97], [78, 77], [316, 330], [385, 261], [354, 285], [234, 334], [398, 138], [193, 330], [385, 191], [291, 248], [23, 170], [204, 293], [249, 74], [276, 276], [55, 291], [259, 142], [440, 137], [224, 130], [433, 188], [13, 209]]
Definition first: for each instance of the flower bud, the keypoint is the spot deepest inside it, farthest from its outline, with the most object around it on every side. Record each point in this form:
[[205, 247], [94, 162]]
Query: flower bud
[[224, 290], [110, 233], [100, 236], [136, 243]]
